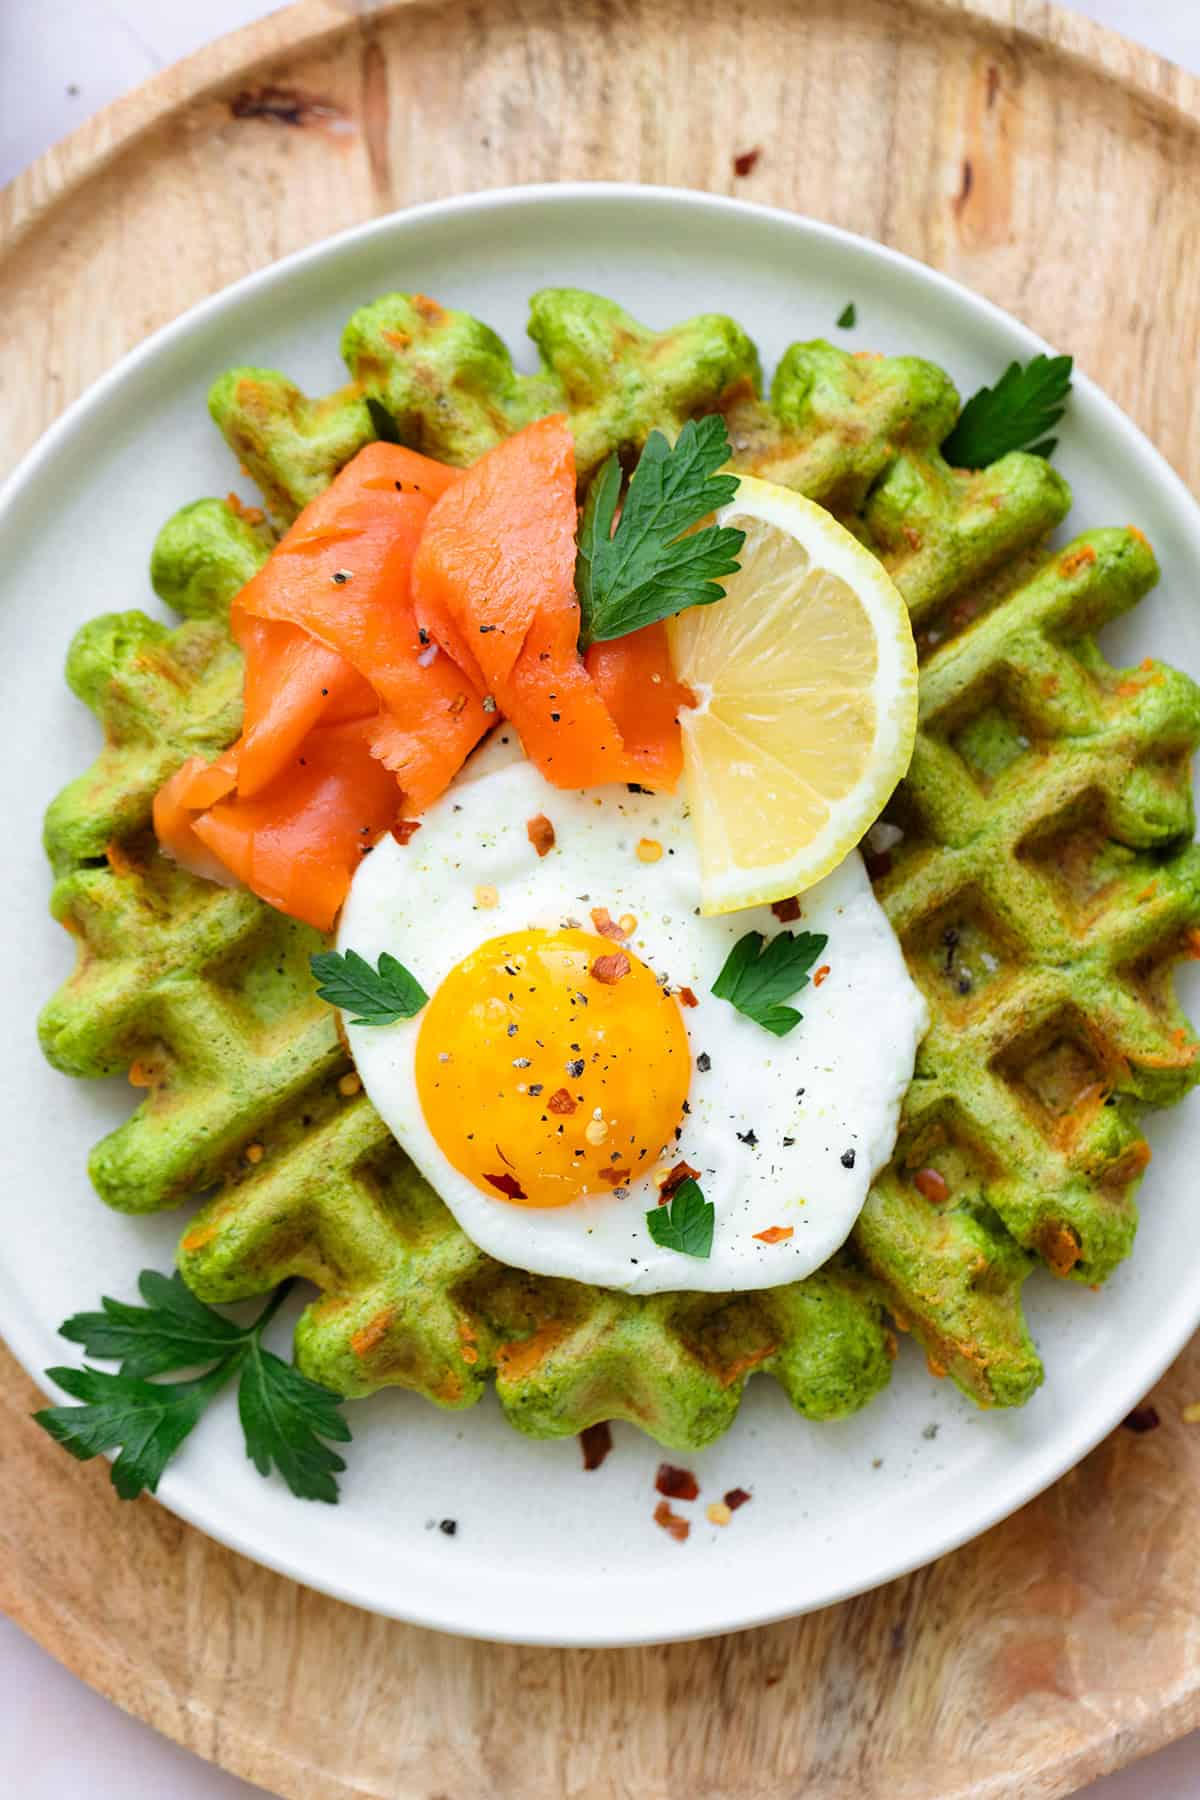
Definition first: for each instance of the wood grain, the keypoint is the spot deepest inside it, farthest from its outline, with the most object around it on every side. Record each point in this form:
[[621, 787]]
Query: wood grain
[[1051, 167]]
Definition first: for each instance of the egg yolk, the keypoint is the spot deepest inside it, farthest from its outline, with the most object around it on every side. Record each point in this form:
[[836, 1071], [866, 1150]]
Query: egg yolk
[[550, 1065]]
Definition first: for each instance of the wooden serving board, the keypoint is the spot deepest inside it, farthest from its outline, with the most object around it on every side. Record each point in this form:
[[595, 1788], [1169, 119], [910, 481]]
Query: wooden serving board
[[1046, 164]]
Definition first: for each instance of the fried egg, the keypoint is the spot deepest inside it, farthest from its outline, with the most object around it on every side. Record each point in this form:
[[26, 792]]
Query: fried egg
[[572, 1058]]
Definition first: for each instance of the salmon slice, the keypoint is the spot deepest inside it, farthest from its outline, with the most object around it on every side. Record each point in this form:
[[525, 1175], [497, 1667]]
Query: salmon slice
[[638, 686], [193, 787], [292, 684], [298, 842], [343, 575], [494, 585], [500, 548], [349, 720]]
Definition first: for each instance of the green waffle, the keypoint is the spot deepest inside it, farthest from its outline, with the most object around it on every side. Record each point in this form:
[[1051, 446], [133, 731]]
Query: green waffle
[[1043, 887]]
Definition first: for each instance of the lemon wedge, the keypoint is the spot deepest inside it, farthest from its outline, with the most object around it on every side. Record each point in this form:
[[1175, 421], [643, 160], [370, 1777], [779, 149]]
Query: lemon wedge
[[805, 676]]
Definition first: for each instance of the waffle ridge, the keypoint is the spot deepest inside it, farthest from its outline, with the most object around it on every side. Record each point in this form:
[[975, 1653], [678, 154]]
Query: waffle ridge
[[1042, 889]]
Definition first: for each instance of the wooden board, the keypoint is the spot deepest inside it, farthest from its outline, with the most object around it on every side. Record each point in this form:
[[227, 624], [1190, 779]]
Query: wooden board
[[1049, 166]]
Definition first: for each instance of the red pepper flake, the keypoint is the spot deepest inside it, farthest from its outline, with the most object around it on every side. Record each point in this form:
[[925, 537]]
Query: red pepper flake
[[687, 998], [561, 1102], [614, 1177], [736, 1497], [403, 830], [676, 1484], [595, 1441], [507, 1185], [671, 1521], [1142, 1418], [933, 1186], [611, 969], [682, 1172], [821, 974], [540, 833], [786, 910], [607, 926], [775, 1234], [745, 162]]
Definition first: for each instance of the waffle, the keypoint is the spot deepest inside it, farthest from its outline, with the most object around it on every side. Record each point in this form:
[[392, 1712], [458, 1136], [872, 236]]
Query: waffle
[[1040, 880]]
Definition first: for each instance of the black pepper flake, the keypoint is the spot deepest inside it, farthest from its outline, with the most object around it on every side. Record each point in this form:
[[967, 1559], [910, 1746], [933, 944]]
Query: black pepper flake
[[1142, 1418], [422, 635], [341, 577], [788, 1142], [488, 703], [847, 1159], [635, 787], [448, 1527], [521, 1062], [555, 717], [575, 1069], [512, 1030], [484, 629], [964, 982], [704, 1062], [750, 1138], [535, 1087]]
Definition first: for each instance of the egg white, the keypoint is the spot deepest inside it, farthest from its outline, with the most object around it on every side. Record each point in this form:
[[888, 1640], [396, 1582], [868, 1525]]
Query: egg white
[[771, 1120]]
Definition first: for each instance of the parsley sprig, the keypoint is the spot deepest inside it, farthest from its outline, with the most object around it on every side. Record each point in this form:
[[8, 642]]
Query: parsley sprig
[[1024, 404], [655, 564], [757, 979], [686, 1223], [377, 996], [284, 1416]]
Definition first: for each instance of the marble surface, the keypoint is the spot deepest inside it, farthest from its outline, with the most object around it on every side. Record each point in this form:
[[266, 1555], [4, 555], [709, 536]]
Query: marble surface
[[59, 61]]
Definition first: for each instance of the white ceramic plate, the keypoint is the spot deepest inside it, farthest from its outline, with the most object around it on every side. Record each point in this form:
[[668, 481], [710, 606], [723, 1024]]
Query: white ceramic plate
[[543, 1552]]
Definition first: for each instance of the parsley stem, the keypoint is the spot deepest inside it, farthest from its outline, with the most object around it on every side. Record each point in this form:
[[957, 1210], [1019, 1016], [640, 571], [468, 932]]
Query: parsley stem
[[272, 1307]]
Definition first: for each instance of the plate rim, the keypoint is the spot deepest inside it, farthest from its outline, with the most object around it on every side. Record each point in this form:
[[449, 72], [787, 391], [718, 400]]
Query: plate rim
[[1042, 1468]]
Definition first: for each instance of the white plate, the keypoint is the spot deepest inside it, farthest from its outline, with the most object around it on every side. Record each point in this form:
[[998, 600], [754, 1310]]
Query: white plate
[[543, 1552]]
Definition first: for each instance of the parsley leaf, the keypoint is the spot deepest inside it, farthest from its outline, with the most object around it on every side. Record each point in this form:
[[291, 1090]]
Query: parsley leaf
[[1025, 403], [755, 980], [146, 1419], [654, 564], [174, 1331], [378, 996], [284, 1415], [848, 317], [384, 420], [686, 1224]]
